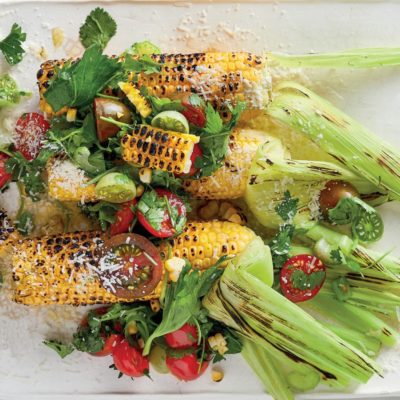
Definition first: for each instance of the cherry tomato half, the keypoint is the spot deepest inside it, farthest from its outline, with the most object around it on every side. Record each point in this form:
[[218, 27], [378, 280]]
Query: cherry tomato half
[[123, 218], [195, 115], [129, 266], [197, 152], [30, 133], [333, 192], [302, 277], [4, 175], [187, 367], [129, 360], [167, 228], [182, 338], [110, 343]]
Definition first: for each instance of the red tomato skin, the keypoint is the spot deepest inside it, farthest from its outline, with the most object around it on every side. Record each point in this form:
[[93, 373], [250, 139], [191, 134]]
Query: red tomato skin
[[129, 360], [30, 132], [195, 115], [4, 175], [166, 228], [123, 219], [308, 264], [110, 342], [182, 338], [197, 152], [187, 367]]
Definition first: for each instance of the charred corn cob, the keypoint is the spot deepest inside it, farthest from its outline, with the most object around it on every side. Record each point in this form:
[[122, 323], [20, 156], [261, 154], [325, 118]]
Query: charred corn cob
[[67, 182], [229, 181], [61, 269], [133, 94], [8, 234], [203, 243], [218, 77], [158, 149]]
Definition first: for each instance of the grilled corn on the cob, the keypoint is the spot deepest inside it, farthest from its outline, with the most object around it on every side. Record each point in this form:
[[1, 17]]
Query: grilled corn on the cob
[[159, 149], [229, 181], [8, 234], [219, 77], [61, 269], [67, 182], [133, 94]]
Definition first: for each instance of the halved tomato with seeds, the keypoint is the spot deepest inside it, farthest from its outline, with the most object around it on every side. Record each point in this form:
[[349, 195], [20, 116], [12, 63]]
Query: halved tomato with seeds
[[129, 266]]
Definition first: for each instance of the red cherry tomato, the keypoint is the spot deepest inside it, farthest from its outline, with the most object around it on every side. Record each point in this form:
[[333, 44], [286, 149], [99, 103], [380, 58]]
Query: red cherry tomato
[[167, 229], [187, 367], [4, 175], [30, 132], [110, 343], [197, 152], [123, 219], [182, 338], [129, 360], [195, 115], [302, 277]]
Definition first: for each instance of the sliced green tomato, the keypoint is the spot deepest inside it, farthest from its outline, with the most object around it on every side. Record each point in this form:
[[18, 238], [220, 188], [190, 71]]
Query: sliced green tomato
[[171, 121], [145, 47], [116, 188], [158, 360], [368, 227]]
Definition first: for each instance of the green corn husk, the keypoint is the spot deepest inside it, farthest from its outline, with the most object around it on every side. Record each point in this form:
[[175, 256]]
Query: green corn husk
[[358, 58], [281, 323], [353, 145]]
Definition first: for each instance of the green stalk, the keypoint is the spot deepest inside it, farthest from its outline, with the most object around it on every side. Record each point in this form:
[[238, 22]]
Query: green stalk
[[352, 317], [353, 145], [359, 58]]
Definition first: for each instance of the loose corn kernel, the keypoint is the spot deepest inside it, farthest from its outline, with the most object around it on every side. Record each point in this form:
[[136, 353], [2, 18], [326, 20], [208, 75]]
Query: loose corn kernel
[[71, 114], [217, 375], [237, 218], [132, 328], [139, 190], [145, 175], [209, 211], [174, 267], [155, 305], [57, 34], [228, 213], [223, 208], [218, 343]]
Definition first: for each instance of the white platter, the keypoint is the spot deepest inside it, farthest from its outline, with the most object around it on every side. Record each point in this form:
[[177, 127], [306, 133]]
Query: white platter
[[27, 368]]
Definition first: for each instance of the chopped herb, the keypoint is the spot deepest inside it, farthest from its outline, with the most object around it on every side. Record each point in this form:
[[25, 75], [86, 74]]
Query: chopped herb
[[93, 164], [24, 223], [9, 92], [339, 258], [103, 212], [165, 179], [99, 28], [287, 209], [76, 84], [11, 47], [153, 208], [196, 101], [62, 350], [143, 64], [342, 289], [302, 281]]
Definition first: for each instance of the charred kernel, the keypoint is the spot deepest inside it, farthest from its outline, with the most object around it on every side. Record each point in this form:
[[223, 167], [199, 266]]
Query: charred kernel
[[57, 248], [125, 139], [164, 138], [39, 73]]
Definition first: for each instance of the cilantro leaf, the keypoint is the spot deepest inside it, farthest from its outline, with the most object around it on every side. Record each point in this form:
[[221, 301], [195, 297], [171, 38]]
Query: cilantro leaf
[[158, 105], [103, 212], [287, 209], [24, 223], [99, 28], [339, 258], [302, 281], [77, 84], [142, 64], [29, 172], [9, 92], [91, 163], [342, 289], [182, 299], [62, 350], [165, 179], [11, 47], [153, 208]]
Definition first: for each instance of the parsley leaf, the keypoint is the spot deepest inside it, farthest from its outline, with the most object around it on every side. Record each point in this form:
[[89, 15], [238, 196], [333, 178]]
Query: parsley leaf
[[9, 92], [99, 28], [62, 350], [287, 209], [24, 223], [29, 172], [142, 64], [182, 299], [77, 84], [302, 281], [11, 47], [103, 212], [214, 138]]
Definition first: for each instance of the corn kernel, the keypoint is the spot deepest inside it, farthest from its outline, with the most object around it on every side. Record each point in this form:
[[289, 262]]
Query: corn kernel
[[145, 175], [155, 305], [139, 190], [132, 328], [237, 219], [174, 267], [217, 375], [224, 207], [71, 114], [218, 343], [209, 211]]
